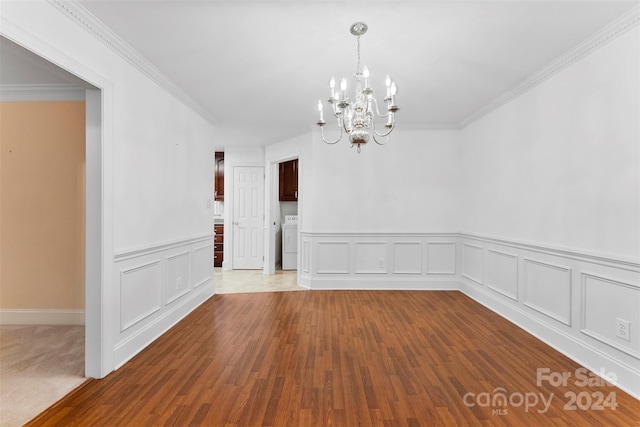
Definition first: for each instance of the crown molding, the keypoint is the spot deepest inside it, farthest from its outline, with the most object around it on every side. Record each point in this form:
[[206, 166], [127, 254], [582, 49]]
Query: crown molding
[[81, 16], [35, 93], [612, 31]]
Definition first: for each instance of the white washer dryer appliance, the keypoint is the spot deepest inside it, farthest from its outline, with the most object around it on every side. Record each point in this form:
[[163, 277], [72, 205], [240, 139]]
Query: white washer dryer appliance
[[290, 242]]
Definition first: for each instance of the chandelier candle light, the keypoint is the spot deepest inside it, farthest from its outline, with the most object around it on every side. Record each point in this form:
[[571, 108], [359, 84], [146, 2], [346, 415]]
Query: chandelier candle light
[[357, 117]]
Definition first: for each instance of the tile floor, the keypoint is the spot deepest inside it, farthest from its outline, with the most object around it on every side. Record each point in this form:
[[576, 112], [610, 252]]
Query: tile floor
[[242, 281]]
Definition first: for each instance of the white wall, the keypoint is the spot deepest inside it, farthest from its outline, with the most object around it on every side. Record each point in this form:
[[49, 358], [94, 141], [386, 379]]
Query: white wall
[[164, 168], [411, 184], [155, 167], [550, 221], [560, 165]]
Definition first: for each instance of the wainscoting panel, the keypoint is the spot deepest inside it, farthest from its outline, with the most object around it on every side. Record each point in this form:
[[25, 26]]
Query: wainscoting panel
[[548, 290], [473, 262], [379, 261], [605, 301], [140, 293], [441, 257], [306, 247], [568, 299], [200, 268], [371, 258], [333, 257], [502, 273], [157, 286], [177, 276], [407, 258]]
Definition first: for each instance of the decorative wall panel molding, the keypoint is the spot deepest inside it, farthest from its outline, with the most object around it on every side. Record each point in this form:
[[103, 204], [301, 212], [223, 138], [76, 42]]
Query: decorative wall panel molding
[[441, 257], [306, 246], [201, 269], [502, 273], [560, 252], [407, 257], [157, 286], [177, 272], [379, 260], [548, 290], [604, 301], [333, 257], [140, 293], [473, 262], [371, 258]]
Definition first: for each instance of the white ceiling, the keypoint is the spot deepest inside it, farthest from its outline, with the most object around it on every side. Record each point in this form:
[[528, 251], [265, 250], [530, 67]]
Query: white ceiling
[[259, 67]]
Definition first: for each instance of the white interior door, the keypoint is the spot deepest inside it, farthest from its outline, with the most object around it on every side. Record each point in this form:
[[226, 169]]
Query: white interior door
[[248, 217]]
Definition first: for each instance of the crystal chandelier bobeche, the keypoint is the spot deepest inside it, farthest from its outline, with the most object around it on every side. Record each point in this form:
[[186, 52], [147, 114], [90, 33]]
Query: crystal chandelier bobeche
[[357, 117]]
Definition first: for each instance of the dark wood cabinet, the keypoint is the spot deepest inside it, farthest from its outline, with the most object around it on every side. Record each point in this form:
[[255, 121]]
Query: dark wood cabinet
[[289, 181], [218, 245], [218, 179]]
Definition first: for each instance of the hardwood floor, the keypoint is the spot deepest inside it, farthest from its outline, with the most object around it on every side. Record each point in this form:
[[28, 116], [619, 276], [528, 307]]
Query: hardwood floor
[[344, 358]]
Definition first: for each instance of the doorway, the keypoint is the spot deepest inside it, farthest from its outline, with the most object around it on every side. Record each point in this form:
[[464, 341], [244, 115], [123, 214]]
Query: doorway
[[282, 214], [21, 50]]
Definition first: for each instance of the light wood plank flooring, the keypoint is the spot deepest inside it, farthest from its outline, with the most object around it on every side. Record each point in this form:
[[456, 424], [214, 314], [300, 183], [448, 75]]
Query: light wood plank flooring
[[341, 358]]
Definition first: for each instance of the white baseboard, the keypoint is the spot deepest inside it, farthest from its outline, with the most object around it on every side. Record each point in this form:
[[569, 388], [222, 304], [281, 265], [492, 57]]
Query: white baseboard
[[421, 284], [41, 317]]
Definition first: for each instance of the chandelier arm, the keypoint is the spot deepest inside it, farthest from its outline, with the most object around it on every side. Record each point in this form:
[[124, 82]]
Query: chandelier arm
[[349, 130], [383, 134], [375, 132], [329, 142], [386, 138], [382, 116]]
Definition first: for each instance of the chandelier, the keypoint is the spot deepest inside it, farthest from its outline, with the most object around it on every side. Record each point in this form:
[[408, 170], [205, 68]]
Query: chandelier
[[357, 117]]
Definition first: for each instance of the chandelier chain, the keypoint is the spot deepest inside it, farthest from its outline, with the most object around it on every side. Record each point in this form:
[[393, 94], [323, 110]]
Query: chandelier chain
[[358, 69]]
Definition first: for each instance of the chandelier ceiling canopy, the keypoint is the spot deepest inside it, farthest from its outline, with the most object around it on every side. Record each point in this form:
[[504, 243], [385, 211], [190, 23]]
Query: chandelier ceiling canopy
[[357, 116]]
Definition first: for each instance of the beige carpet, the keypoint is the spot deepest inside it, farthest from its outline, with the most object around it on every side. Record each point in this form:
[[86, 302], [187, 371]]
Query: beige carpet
[[38, 366]]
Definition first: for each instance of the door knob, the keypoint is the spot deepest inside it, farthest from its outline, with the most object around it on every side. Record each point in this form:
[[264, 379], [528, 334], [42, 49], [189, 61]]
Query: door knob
[[236, 222]]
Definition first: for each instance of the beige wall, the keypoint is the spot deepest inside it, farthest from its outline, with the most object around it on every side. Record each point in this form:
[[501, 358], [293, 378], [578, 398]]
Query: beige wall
[[42, 218]]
